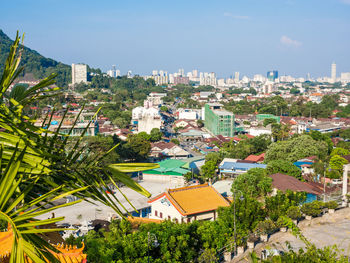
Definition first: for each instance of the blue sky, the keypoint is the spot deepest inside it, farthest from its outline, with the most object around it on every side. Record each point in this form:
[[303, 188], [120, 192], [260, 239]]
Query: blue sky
[[250, 36]]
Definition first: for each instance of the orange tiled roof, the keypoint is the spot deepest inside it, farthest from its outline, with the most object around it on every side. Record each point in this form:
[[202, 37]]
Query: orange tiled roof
[[194, 199], [143, 220]]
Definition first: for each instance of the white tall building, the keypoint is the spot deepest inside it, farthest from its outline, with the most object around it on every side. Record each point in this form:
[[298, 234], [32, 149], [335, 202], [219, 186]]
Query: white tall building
[[79, 73], [334, 72], [236, 76]]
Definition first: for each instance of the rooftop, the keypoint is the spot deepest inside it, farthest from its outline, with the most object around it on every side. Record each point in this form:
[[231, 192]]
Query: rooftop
[[285, 182], [194, 199]]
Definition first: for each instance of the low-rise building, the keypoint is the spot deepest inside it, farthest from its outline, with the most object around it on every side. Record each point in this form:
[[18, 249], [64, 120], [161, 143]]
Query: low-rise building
[[231, 167], [186, 204]]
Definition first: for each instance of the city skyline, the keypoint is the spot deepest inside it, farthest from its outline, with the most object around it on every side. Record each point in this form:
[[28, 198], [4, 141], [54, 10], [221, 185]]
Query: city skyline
[[250, 37]]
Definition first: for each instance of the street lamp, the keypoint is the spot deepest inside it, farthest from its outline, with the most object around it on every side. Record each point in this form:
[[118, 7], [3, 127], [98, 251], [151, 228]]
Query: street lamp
[[234, 217], [151, 237]]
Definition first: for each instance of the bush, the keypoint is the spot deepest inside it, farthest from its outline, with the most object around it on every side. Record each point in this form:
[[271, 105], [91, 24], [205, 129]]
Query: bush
[[331, 205], [294, 213], [333, 174], [266, 227], [312, 209]]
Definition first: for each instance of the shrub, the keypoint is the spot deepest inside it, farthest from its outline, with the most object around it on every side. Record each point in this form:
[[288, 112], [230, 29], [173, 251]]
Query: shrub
[[266, 227], [331, 205], [312, 209], [280, 223], [294, 213]]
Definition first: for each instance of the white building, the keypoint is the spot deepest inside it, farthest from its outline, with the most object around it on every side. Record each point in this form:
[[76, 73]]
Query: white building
[[345, 77], [334, 72], [186, 204], [79, 73], [188, 114]]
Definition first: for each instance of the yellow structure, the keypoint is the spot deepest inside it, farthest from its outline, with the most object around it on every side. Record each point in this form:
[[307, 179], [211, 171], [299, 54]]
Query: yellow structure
[[68, 254]]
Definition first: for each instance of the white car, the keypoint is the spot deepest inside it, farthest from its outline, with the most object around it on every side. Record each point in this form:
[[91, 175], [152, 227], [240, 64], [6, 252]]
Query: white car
[[337, 181]]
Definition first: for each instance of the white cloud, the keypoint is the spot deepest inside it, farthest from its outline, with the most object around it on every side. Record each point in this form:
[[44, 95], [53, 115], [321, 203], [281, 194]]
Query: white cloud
[[290, 42], [345, 2], [236, 16]]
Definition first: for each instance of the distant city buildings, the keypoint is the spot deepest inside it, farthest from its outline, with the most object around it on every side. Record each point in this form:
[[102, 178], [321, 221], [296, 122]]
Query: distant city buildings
[[114, 73], [79, 73]]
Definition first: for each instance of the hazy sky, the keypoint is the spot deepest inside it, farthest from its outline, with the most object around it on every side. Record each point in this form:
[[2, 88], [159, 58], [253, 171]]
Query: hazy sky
[[250, 36]]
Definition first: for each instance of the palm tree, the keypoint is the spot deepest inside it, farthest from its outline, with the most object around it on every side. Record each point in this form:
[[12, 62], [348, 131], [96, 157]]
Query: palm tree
[[37, 168]]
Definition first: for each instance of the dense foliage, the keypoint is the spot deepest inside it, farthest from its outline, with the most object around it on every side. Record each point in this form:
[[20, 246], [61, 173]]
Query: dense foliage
[[296, 148]]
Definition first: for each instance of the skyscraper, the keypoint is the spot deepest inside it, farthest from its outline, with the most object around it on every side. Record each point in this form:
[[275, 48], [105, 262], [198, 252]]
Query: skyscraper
[[334, 72], [79, 73], [272, 75], [236, 76]]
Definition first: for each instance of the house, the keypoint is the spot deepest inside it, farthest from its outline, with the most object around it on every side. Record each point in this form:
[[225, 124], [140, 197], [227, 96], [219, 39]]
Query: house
[[283, 182], [186, 204], [256, 158], [161, 150], [231, 167]]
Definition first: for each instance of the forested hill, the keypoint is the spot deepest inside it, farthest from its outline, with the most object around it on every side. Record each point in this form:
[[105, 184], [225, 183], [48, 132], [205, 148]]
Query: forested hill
[[35, 65]]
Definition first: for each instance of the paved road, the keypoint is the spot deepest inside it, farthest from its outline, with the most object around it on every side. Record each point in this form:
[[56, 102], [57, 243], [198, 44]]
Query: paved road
[[322, 231]]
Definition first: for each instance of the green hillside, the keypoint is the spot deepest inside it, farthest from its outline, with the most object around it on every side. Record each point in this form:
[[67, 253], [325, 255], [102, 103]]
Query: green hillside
[[35, 65]]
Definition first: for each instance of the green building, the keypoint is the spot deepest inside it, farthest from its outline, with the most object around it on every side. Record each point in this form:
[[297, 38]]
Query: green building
[[218, 120], [262, 117]]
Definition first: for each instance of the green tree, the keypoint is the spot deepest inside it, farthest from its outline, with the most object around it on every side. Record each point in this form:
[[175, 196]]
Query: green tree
[[284, 167], [296, 148], [253, 183], [336, 163], [137, 147], [208, 170], [340, 151], [155, 135], [269, 121], [164, 108]]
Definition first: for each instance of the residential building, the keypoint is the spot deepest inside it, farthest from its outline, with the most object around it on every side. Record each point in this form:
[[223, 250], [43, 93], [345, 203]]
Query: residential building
[[79, 73], [219, 121], [231, 167], [283, 182], [181, 80], [161, 150], [186, 204], [188, 114]]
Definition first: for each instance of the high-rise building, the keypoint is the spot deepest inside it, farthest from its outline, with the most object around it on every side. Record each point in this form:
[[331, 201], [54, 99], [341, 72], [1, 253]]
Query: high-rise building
[[117, 73], [272, 75], [79, 73], [334, 72], [182, 72], [195, 73], [218, 120], [236, 76]]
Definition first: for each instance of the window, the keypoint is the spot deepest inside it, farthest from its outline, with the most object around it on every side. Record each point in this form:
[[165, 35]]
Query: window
[[156, 213], [161, 215], [188, 220]]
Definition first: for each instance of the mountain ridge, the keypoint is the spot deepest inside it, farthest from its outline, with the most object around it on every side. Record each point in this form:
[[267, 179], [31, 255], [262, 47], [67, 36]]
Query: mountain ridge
[[35, 64]]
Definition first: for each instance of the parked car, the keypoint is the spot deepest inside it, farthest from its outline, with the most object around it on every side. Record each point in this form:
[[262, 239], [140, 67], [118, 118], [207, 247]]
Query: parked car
[[337, 181]]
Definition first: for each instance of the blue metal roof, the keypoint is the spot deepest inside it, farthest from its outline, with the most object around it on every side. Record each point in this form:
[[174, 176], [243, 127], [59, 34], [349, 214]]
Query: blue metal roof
[[299, 164]]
